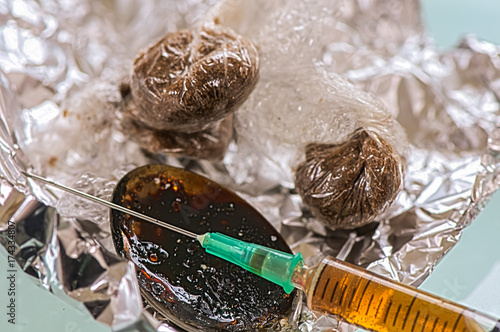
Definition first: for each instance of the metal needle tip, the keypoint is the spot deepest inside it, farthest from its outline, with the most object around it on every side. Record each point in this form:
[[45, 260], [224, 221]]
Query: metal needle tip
[[112, 205]]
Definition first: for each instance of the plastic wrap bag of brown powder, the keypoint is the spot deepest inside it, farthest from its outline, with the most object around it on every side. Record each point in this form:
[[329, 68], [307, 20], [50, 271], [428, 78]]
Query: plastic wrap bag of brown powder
[[185, 88], [340, 146]]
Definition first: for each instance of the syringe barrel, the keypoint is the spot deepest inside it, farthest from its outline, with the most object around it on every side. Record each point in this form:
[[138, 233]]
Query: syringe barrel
[[377, 303]]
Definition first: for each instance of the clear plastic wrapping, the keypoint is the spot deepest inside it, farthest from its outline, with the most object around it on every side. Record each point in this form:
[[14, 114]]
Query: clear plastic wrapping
[[209, 144], [65, 61], [299, 108], [188, 83], [349, 184]]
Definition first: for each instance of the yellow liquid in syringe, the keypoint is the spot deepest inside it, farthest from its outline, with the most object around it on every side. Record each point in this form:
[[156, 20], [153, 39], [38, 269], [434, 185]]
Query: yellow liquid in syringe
[[376, 303]]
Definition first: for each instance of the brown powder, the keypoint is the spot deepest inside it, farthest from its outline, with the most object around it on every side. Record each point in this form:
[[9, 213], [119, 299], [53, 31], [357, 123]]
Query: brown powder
[[52, 161], [348, 185], [184, 83], [210, 144]]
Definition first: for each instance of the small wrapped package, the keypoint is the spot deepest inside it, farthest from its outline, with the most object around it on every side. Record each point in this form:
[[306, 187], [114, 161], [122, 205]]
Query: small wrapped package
[[186, 86], [340, 146]]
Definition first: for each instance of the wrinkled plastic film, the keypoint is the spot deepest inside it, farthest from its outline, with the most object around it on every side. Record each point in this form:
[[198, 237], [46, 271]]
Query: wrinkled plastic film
[[208, 144], [379, 46], [186, 81], [185, 88], [300, 110], [348, 185]]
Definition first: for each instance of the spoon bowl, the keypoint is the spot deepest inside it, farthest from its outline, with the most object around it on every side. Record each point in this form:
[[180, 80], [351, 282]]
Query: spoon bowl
[[182, 282]]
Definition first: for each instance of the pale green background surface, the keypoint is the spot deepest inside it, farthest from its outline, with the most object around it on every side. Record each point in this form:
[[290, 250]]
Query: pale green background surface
[[468, 274]]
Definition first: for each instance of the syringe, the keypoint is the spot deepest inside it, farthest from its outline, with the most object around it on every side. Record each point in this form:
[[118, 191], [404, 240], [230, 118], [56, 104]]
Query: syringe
[[348, 292]]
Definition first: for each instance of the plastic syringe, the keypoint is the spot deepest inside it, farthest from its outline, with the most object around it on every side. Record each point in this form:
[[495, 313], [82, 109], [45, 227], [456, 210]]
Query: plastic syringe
[[351, 293], [346, 291]]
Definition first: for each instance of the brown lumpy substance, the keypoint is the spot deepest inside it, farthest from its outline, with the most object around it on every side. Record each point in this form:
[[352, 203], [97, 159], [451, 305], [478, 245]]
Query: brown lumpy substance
[[348, 185], [193, 289], [186, 81], [209, 144]]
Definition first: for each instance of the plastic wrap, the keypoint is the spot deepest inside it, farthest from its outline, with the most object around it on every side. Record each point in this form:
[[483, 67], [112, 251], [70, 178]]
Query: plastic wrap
[[348, 185], [188, 82], [299, 110], [64, 63], [209, 144]]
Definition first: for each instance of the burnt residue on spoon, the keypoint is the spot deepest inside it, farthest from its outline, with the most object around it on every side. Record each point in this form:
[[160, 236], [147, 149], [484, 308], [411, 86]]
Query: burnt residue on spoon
[[192, 288]]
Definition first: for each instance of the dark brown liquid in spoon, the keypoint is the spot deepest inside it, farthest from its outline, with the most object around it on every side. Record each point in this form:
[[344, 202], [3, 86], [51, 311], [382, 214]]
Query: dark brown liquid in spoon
[[196, 289]]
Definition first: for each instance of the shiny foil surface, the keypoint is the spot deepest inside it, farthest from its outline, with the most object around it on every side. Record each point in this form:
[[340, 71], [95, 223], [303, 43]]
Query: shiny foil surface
[[62, 64]]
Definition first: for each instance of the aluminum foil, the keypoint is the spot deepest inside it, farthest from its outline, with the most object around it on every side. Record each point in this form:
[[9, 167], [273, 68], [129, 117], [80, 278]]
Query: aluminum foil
[[62, 63]]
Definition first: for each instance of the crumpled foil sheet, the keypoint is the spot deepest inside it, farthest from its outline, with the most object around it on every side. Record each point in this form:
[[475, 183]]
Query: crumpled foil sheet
[[62, 62]]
